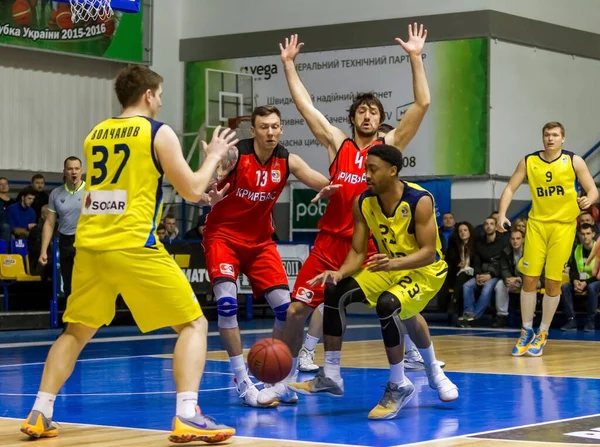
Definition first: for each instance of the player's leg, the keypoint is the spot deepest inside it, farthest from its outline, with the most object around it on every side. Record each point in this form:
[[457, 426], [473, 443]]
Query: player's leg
[[530, 265], [560, 243], [91, 305], [159, 295]]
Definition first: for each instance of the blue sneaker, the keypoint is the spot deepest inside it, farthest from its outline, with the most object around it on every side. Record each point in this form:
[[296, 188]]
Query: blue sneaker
[[536, 348], [527, 336]]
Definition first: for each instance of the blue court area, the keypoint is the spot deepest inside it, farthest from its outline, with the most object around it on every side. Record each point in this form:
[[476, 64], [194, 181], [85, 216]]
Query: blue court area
[[124, 381]]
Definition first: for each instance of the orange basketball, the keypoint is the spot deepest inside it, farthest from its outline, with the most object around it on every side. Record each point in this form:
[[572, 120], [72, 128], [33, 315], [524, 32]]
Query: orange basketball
[[270, 360], [110, 27], [21, 12], [63, 20]]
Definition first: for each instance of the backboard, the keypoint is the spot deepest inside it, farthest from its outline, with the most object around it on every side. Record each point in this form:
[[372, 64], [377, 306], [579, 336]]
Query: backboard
[[228, 95]]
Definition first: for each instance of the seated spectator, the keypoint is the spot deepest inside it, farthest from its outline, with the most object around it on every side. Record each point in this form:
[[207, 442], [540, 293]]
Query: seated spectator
[[34, 246], [161, 232], [197, 232], [520, 224], [581, 280], [480, 229], [446, 230], [510, 279], [38, 183], [461, 248], [486, 266], [170, 224], [585, 217], [5, 199], [21, 217], [5, 202]]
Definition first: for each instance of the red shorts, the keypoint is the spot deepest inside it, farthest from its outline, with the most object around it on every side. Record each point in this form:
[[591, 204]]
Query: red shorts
[[328, 253], [261, 263]]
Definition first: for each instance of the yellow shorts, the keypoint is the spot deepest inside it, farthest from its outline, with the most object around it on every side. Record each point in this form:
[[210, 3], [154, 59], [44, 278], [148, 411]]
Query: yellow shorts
[[549, 244], [152, 285], [413, 288]]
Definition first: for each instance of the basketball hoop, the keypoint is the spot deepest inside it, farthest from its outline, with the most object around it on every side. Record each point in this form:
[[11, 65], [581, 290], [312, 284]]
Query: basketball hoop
[[86, 10]]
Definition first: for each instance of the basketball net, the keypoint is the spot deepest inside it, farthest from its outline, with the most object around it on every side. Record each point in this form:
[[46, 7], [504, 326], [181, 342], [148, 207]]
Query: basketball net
[[86, 10]]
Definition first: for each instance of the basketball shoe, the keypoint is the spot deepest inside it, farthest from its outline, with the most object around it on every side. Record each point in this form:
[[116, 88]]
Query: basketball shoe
[[249, 395], [278, 391], [199, 428], [536, 348], [523, 343], [320, 384], [413, 361], [306, 361], [447, 391], [394, 398], [39, 426]]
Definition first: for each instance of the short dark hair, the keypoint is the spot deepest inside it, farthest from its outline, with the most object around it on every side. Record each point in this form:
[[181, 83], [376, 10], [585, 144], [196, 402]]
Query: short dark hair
[[161, 227], [387, 153], [364, 98], [552, 125], [385, 128], [28, 191], [264, 111], [587, 226], [71, 158], [132, 82], [36, 177], [514, 230]]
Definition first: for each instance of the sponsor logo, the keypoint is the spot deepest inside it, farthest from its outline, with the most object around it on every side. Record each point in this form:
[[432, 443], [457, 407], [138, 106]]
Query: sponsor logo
[[253, 196], [404, 212], [8, 262], [525, 264], [226, 269], [105, 202], [353, 179], [305, 295], [260, 71], [275, 176]]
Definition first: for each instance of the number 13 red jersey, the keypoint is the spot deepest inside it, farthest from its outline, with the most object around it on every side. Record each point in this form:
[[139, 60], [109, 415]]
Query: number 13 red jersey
[[348, 169]]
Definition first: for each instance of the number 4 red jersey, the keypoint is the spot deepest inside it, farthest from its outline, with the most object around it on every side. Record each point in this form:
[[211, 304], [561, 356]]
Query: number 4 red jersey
[[348, 169], [245, 213]]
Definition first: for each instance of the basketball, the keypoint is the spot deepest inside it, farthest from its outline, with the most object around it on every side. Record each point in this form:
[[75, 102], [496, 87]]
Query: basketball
[[21, 12], [110, 27], [270, 360], [64, 20]]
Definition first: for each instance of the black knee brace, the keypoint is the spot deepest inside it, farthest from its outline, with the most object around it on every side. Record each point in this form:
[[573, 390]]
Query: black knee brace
[[337, 298], [388, 308]]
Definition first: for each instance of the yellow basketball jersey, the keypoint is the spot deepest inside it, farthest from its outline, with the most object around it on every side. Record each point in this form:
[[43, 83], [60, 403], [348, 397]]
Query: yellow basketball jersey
[[552, 186], [123, 193], [395, 235]]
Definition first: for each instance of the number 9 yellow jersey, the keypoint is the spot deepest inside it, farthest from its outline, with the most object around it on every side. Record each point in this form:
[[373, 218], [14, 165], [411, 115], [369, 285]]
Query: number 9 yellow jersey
[[123, 195]]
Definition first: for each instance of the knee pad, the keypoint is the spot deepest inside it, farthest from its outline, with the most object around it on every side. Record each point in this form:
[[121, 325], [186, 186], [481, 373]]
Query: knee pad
[[337, 298], [227, 306], [388, 308], [279, 300]]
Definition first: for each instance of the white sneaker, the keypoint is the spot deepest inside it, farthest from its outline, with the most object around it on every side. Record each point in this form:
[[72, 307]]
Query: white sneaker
[[413, 360], [277, 392], [249, 395], [447, 391], [306, 361]]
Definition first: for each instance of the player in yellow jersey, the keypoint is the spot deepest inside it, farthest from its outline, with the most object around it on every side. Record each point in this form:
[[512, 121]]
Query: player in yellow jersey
[[551, 175], [118, 252], [399, 281]]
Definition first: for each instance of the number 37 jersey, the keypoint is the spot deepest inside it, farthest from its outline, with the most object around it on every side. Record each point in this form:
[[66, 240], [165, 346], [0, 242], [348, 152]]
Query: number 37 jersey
[[123, 193]]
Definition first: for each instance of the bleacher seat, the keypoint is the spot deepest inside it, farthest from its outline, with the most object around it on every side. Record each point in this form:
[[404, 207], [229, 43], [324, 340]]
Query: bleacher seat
[[12, 267], [19, 247], [3, 247]]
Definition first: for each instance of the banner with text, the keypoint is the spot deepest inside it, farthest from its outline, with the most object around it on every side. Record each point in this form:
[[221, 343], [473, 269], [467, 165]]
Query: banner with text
[[452, 139], [47, 25]]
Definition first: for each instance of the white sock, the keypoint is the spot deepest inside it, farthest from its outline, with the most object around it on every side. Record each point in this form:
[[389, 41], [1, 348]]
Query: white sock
[[544, 327], [528, 302], [44, 403], [332, 365], [428, 355], [310, 342], [397, 373], [549, 306], [238, 366], [408, 343], [186, 404]]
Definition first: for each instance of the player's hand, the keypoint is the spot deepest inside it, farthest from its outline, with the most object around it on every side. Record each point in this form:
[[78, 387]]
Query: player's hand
[[43, 259], [416, 40], [583, 202], [326, 192], [215, 195], [328, 276], [290, 49], [222, 140], [379, 263], [502, 220]]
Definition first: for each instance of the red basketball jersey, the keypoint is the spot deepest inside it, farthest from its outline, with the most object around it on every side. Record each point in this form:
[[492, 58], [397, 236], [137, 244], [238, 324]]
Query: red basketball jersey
[[245, 213], [348, 169]]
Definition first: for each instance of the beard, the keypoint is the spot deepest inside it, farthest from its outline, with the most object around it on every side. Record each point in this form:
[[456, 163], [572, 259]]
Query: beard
[[361, 133]]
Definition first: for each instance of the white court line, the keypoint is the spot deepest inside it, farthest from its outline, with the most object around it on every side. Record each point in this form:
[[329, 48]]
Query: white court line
[[236, 436], [472, 435], [141, 393]]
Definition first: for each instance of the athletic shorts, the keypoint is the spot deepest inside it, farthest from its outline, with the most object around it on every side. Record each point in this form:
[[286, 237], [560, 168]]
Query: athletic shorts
[[549, 244], [151, 283], [328, 253], [413, 288], [261, 263]]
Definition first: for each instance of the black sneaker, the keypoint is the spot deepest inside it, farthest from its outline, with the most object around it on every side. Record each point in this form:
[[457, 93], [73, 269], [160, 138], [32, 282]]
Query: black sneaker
[[590, 326], [500, 321], [571, 325]]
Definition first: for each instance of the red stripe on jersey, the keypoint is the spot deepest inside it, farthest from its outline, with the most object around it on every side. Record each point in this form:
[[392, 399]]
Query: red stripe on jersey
[[348, 169], [245, 214]]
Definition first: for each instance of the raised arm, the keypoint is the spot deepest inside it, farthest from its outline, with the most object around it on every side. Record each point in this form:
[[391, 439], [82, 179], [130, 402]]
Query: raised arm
[[307, 175], [329, 136], [409, 125], [191, 185], [586, 181], [513, 184]]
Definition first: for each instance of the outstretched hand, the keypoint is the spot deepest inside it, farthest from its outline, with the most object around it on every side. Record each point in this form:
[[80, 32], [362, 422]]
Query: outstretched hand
[[220, 142], [326, 192], [416, 40], [290, 50]]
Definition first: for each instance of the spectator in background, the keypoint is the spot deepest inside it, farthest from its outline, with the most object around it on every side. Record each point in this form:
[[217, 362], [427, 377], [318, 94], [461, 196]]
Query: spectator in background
[[5, 202], [585, 217], [581, 280], [197, 232], [21, 217], [446, 230], [5, 198], [38, 183], [461, 249], [161, 232], [34, 246], [170, 224], [486, 266], [65, 206], [510, 279], [520, 224]]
